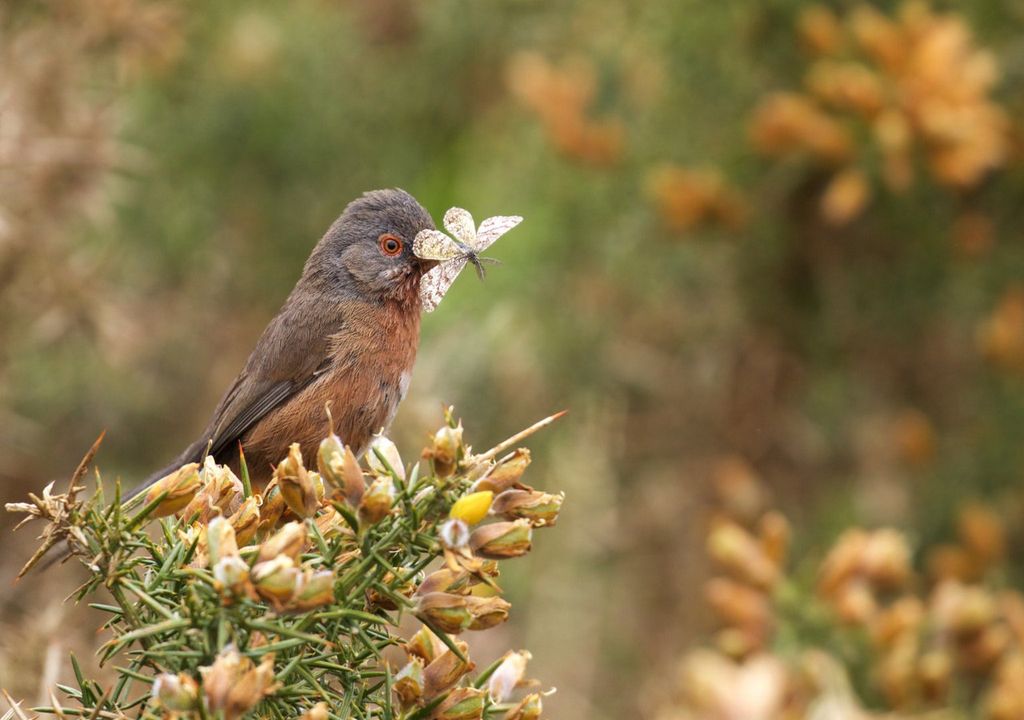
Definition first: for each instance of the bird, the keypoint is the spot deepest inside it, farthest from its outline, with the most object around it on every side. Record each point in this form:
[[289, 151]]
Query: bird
[[345, 338]]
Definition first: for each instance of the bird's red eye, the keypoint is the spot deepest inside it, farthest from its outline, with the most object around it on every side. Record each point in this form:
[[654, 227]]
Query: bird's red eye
[[390, 244]]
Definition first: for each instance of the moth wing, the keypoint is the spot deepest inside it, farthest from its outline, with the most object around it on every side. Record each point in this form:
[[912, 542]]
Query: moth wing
[[435, 245], [436, 281], [493, 228], [461, 225]]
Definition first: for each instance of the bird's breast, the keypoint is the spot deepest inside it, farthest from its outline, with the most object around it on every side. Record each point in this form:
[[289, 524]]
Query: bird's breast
[[368, 375]]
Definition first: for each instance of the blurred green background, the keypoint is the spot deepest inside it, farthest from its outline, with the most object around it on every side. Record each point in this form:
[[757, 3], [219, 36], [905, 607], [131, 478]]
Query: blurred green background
[[700, 275]]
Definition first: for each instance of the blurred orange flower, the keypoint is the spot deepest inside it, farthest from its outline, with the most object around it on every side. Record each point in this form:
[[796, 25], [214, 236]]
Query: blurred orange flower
[[916, 81], [560, 97], [686, 198], [1000, 336]]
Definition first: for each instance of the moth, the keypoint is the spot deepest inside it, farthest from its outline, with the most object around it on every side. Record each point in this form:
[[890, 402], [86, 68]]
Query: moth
[[464, 245]]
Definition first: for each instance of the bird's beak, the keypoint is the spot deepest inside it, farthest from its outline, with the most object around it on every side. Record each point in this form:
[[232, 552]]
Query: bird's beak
[[426, 265]]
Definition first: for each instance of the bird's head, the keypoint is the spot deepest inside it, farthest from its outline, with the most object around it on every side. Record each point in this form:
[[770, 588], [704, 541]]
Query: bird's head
[[369, 248]]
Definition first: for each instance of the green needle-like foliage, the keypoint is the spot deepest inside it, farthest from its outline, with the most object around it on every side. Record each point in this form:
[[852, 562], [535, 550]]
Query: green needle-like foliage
[[292, 600]]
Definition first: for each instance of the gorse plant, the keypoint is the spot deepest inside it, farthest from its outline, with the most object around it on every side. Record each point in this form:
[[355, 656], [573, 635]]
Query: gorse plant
[[292, 601]]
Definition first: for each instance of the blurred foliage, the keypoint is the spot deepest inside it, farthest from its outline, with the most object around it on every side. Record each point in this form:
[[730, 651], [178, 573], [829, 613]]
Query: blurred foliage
[[779, 231]]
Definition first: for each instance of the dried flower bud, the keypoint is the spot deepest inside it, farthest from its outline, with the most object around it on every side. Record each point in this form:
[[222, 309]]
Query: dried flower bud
[[220, 540], [737, 550], [443, 580], [233, 685], [842, 561], [340, 468], [886, 558], [176, 693], [508, 675], [981, 531], [539, 508], [384, 446], [502, 539], [290, 540], [317, 712], [331, 524], [775, 534], [296, 485], [487, 611], [506, 474], [272, 509], [231, 574], [461, 704], [445, 449], [820, 30], [221, 493], [446, 670], [408, 683], [178, 489], [276, 580], [454, 534], [962, 610], [855, 603], [738, 643], [897, 671], [529, 708], [449, 613], [900, 618], [246, 520], [377, 501], [472, 508], [739, 604], [981, 653], [935, 670], [315, 589], [424, 645], [739, 490]]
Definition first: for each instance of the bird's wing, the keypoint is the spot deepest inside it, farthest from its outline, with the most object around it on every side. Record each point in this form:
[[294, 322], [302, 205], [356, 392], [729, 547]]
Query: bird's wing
[[293, 351]]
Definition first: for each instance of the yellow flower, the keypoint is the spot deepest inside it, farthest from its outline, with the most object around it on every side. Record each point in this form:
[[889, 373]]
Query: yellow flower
[[472, 508]]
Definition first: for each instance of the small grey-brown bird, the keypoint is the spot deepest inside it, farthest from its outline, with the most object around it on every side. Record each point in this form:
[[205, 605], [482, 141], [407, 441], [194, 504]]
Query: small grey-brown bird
[[347, 335]]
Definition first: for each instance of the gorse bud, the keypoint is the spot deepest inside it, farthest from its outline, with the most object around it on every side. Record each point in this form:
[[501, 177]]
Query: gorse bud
[[508, 675], [176, 693], [297, 487], [424, 645], [472, 508], [487, 611], [290, 540], [506, 474], [461, 704], [317, 712], [231, 574], [445, 449], [449, 613], [221, 493], [220, 540], [443, 580], [277, 580], [339, 467], [529, 708], [378, 500], [178, 489], [233, 685], [246, 520], [539, 508], [272, 509], [446, 670], [315, 589], [502, 539], [454, 534], [408, 684], [383, 446], [331, 524]]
